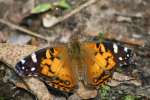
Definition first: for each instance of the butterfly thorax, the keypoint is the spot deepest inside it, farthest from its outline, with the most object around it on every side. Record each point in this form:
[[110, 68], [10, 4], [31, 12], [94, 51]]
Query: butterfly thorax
[[76, 55]]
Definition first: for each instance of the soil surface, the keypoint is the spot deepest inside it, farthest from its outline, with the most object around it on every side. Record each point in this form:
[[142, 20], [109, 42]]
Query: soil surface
[[124, 21]]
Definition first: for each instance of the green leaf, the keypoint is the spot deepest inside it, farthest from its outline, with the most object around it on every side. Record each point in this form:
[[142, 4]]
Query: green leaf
[[104, 92], [64, 4], [42, 8], [106, 87], [101, 36], [129, 97], [2, 98]]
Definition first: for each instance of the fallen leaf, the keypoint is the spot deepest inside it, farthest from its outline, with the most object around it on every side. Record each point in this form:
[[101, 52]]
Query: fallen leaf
[[124, 19], [85, 93], [19, 39], [49, 20], [119, 78], [64, 4], [41, 8]]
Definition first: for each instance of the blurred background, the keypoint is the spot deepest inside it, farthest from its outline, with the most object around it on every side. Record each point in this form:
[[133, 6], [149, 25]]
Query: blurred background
[[38, 22]]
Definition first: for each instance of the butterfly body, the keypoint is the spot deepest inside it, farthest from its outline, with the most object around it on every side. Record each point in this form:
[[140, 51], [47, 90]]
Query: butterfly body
[[63, 67]]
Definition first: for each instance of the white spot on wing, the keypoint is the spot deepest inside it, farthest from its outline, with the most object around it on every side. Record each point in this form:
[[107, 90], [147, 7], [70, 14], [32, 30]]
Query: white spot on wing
[[115, 48], [34, 59], [120, 58], [22, 61], [120, 64], [29, 75], [125, 49], [128, 55], [35, 75], [23, 67], [33, 69]]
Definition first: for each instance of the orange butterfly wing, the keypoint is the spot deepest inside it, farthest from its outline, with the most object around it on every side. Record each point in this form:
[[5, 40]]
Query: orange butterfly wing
[[62, 67], [56, 67], [52, 66], [99, 62]]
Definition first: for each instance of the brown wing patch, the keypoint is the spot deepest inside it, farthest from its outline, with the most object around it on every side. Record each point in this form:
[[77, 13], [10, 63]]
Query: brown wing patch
[[57, 67], [100, 63]]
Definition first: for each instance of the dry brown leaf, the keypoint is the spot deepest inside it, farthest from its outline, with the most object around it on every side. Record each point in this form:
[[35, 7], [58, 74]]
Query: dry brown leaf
[[85, 93], [119, 78], [11, 54]]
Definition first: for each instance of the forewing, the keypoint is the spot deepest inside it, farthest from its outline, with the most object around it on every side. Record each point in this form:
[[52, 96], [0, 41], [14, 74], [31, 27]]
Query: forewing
[[51, 65]]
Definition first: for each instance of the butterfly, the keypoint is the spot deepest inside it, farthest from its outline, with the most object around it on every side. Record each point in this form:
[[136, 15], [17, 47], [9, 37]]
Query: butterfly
[[64, 66]]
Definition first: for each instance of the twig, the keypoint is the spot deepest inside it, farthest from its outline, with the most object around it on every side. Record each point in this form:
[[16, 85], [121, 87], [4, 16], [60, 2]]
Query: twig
[[125, 40], [23, 29], [60, 19], [136, 15]]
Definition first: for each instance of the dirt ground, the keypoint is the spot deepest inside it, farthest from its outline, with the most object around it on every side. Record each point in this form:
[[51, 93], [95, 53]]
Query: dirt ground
[[124, 21]]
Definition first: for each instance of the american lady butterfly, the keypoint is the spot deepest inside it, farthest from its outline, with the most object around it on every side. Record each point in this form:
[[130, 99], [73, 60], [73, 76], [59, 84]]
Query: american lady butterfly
[[62, 67]]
